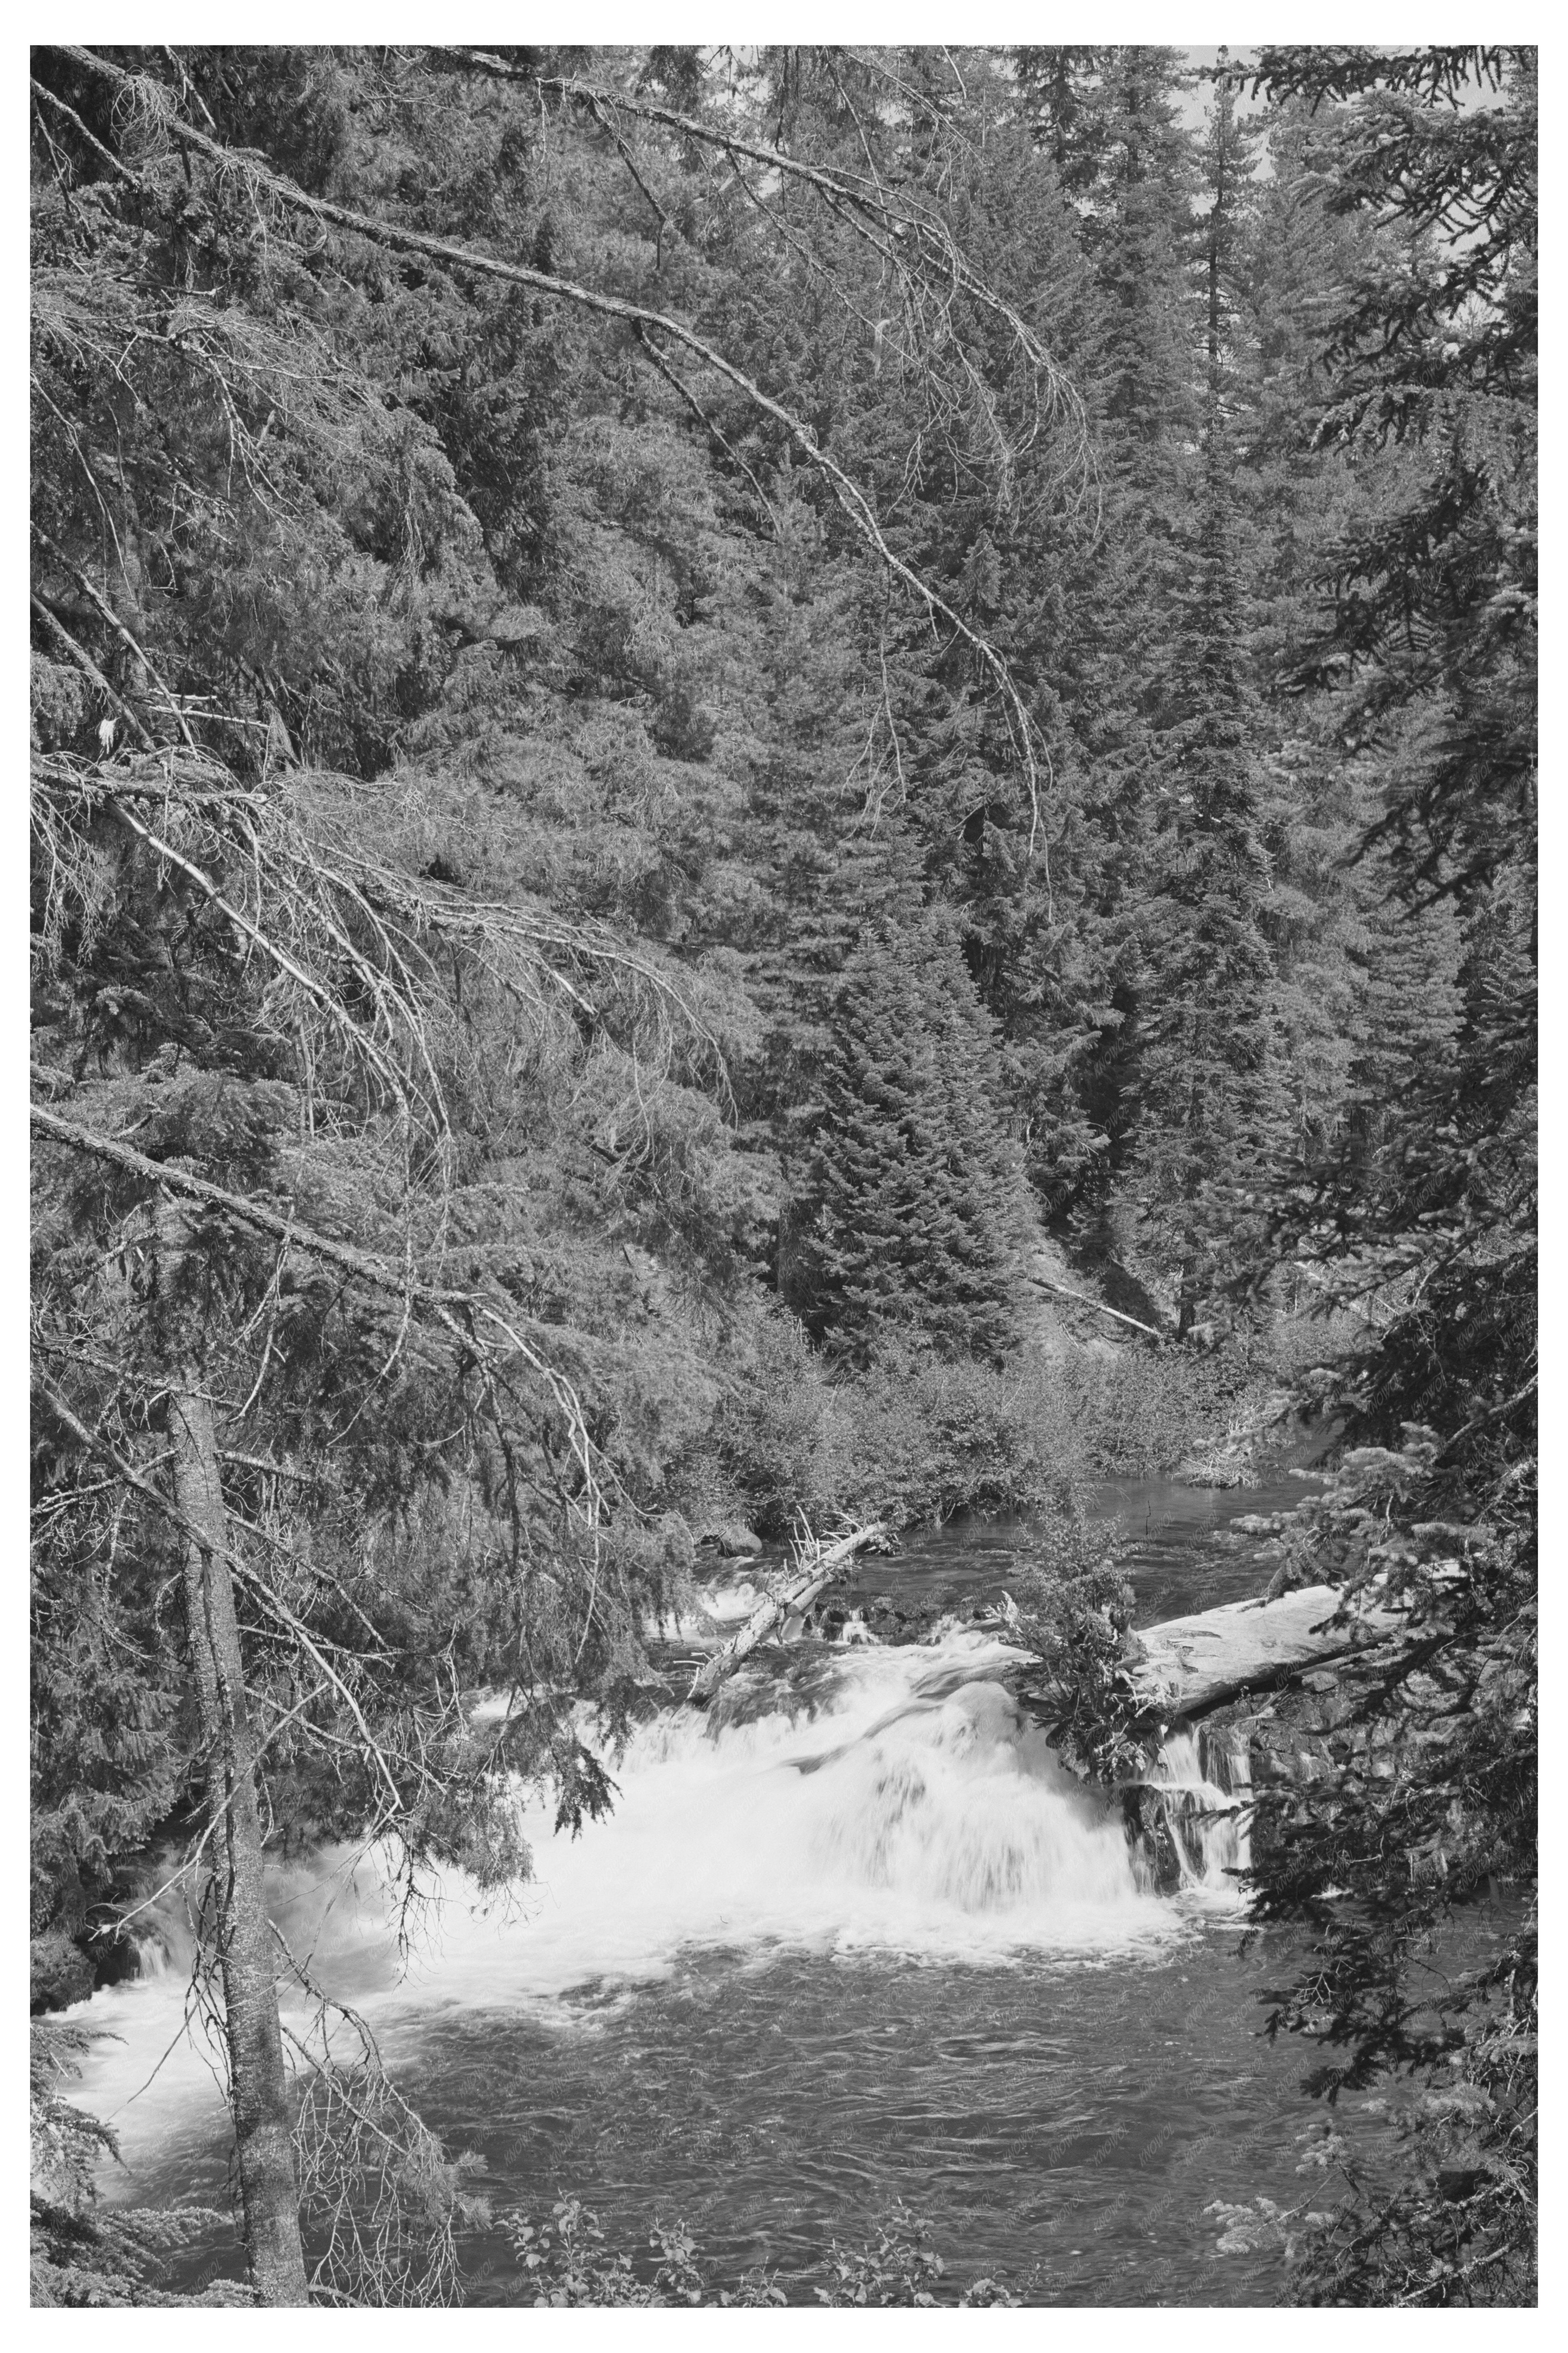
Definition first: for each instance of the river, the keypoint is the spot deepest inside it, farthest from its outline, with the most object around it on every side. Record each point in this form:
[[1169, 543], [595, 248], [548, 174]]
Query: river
[[812, 1965]]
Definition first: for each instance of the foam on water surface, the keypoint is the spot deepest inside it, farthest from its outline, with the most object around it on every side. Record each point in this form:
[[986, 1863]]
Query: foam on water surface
[[916, 1815]]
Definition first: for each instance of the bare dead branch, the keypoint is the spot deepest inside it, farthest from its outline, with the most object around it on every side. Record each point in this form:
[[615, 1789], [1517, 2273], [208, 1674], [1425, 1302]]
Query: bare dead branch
[[57, 105], [690, 397], [107, 613], [853, 501], [91, 671]]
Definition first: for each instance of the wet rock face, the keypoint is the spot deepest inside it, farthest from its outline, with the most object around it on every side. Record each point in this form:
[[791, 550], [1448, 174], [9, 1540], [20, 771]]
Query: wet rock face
[[1286, 1740], [1293, 1740], [1151, 1838], [1274, 1747], [1188, 1823]]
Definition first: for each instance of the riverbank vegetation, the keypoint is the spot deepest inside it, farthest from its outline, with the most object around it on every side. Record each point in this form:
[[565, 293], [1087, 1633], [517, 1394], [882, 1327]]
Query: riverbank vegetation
[[692, 709]]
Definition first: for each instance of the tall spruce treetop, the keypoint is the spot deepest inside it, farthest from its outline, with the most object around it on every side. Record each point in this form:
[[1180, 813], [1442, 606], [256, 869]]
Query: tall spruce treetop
[[1207, 1085], [1105, 122], [1207, 1077]]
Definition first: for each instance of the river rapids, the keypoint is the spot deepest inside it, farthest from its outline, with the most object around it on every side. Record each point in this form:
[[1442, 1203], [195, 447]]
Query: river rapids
[[810, 1964]]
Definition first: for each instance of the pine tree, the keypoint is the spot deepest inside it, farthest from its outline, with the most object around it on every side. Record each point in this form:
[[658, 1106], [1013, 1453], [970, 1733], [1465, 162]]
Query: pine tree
[[1208, 1100], [1107, 121], [913, 1185], [1207, 1082], [1430, 1211]]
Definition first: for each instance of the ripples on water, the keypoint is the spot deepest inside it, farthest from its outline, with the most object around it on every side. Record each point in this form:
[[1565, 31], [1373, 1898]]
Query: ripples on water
[[1064, 2124], [805, 1968], [1173, 1558]]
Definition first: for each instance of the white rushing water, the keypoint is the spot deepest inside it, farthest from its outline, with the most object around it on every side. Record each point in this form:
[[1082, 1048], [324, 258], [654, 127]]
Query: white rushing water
[[1209, 1785], [917, 1814]]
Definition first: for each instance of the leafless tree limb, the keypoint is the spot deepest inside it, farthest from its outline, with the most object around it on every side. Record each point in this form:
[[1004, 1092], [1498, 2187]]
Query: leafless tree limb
[[262, 180]]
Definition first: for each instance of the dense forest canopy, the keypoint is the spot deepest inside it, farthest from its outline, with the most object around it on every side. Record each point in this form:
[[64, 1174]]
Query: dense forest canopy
[[683, 701]]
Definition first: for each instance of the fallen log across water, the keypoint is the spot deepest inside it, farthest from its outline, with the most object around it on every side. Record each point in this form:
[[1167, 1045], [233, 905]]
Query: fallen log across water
[[1193, 1665], [815, 1567], [1185, 1668]]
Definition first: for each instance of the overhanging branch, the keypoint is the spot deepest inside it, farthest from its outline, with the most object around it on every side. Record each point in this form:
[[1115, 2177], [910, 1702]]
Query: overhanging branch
[[855, 506], [397, 1281]]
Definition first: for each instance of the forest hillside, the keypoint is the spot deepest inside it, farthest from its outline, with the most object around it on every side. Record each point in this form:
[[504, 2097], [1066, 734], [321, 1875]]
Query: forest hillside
[[771, 782]]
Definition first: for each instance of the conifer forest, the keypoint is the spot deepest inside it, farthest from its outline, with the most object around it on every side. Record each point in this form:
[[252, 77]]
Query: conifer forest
[[782, 1128]]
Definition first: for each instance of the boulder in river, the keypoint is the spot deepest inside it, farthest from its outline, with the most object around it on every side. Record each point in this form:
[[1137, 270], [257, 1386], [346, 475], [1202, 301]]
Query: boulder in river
[[731, 1537]]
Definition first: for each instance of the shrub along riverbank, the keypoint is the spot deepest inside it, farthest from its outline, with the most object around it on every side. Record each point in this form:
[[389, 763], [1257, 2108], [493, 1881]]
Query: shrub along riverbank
[[915, 1438]]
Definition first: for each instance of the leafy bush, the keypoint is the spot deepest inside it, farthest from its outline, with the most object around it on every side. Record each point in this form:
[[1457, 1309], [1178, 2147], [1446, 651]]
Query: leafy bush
[[1076, 1614], [567, 2260], [900, 2267], [920, 1438], [571, 2265], [1138, 1412], [914, 1437]]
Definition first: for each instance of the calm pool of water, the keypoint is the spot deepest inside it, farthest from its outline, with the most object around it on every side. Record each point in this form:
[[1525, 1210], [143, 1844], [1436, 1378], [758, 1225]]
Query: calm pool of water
[[1178, 1557]]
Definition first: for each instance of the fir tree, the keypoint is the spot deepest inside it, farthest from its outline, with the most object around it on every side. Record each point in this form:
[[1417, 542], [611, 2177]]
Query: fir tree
[[1207, 1085], [1107, 119], [1208, 1101], [1430, 1211], [913, 1188]]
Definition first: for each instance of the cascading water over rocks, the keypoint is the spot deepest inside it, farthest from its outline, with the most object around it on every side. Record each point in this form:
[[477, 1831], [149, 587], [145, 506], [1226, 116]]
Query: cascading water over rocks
[[918, 1813]]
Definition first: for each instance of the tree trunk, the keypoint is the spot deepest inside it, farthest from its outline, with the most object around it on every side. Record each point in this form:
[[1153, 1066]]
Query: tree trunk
[[259, 2084], [1192, 1665], [817, 1566]]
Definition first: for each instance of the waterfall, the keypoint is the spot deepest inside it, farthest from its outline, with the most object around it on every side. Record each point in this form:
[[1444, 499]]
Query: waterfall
[[917, 1815], [1195, 1813]]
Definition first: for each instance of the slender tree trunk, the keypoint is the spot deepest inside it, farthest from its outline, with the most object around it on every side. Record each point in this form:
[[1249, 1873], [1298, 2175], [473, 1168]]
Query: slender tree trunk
[[259, 2084]]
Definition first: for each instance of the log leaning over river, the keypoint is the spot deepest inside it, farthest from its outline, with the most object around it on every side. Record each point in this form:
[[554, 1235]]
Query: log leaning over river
[[1187, 1667], [1193, 1665], [815, 1567]]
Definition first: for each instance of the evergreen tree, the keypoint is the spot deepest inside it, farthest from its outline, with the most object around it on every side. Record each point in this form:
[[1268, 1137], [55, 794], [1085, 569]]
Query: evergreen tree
[[1208, 1095], [1107, 120], [1207, 1084], [1296, 496], [1430, 1212], [913, 1185]]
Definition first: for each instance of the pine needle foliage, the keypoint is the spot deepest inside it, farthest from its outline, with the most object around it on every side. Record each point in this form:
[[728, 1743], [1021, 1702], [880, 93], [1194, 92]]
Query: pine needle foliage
[[913, 1185], [671, 685]]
